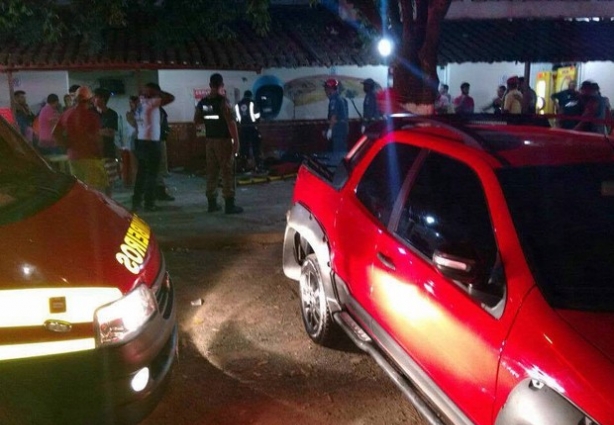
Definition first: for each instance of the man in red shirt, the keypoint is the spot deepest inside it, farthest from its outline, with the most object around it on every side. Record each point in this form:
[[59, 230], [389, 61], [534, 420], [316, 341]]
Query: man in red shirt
[[79, 131], [464, 104]]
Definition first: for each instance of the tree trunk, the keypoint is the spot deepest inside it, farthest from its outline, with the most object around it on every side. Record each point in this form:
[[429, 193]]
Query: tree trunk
[[415, 68]]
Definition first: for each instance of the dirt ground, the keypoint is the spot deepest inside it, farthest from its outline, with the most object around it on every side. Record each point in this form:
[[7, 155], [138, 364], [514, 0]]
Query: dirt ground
[[245, 358]]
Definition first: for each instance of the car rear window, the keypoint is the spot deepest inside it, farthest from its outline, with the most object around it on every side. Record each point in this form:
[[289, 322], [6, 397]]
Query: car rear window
[[564, 216]]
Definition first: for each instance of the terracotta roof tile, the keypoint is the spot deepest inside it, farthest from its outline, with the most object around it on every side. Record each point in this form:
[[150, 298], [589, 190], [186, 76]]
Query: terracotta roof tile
[[302, 36]]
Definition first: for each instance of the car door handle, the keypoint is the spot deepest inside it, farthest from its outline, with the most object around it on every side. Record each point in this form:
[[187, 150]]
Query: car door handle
[[386, 261]]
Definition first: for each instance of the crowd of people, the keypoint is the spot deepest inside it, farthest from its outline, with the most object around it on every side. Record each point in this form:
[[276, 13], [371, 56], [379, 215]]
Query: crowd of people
[[84, 129], [586, 109]]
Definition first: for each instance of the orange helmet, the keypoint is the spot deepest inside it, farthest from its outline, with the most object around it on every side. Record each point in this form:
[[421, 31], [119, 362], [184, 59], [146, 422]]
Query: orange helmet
[[331, 83]]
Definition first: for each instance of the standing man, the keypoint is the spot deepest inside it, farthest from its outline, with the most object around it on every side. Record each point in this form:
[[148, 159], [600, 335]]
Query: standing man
[[108, 123], [338, 125], [512, 102], [47, 119], [162, 192], [593, 109], [464, 104], [247, 116], [443, 100], [147, 150], [497, 102], [529, 97], [24, 116], [567, 102], [370, 110], [78, 129], [222, 144]]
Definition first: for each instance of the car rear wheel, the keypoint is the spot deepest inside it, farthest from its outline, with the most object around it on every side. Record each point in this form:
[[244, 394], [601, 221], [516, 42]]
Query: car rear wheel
[[317, 319]]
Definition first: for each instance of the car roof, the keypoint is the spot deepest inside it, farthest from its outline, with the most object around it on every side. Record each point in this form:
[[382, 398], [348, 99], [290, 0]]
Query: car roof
[[511, 143]]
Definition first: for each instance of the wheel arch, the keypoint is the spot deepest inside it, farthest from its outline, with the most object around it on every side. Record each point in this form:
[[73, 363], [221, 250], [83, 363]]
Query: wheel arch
[[302, 226], [533, 402]]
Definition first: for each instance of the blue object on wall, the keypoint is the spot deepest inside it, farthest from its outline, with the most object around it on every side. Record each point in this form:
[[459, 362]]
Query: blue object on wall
[[269, 95]]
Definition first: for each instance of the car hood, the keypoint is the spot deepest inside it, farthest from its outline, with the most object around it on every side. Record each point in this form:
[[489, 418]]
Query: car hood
[[595, 327], [82, 240]]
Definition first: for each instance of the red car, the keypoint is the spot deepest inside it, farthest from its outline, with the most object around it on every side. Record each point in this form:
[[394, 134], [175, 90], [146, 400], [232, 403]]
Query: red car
[[88, 331], [473, 261]]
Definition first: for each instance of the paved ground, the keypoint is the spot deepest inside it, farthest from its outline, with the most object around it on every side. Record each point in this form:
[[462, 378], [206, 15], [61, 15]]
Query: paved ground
[[186, 223]]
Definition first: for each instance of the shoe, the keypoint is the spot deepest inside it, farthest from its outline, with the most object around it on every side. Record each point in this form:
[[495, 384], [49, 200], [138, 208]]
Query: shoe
[[162, 194], [231, 208], [213, 205]]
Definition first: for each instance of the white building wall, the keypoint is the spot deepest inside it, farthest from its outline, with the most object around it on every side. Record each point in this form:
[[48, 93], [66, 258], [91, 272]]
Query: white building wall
[[37, 85], [601, 73], [483, 77], [182, 83]]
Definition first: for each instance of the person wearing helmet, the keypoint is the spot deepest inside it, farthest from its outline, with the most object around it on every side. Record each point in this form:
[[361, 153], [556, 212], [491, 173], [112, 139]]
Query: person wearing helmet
[[247, 116], [338, 126]]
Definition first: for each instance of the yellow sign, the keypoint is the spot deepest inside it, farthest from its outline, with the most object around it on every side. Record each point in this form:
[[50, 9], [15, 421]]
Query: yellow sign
[[133, 250]]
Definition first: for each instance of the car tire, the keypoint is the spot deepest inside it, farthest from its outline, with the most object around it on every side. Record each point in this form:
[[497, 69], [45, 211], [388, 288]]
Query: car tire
[[317, 319]]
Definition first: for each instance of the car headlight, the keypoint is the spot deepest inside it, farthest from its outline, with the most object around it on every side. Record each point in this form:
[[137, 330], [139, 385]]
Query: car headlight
[[122, 319]]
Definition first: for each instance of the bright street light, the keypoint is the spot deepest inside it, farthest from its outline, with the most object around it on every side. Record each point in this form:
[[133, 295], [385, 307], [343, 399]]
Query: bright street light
[[384, 47]]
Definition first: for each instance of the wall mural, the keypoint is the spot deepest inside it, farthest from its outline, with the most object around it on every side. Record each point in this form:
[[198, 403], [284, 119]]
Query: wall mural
[[306, 90]]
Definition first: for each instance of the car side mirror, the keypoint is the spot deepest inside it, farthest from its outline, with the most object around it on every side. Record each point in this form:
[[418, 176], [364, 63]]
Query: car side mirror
[[459, 262]]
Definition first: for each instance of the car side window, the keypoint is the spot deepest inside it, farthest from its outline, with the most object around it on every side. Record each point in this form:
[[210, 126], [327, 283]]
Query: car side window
[[447, 206], [381, 183]]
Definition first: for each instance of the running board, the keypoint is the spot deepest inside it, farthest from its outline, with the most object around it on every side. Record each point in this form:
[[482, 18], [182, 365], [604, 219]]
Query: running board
[[364, 342]]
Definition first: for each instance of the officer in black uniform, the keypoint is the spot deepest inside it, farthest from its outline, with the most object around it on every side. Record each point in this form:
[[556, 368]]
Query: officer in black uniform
[[247, 116], [222, 144], [370, 109]]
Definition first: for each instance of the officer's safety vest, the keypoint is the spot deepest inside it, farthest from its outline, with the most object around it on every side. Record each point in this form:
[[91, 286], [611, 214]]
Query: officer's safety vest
[[215, 121], [246, 112]]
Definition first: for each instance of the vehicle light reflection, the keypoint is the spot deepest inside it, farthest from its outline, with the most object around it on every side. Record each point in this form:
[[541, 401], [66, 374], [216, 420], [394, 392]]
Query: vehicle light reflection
[[538, 374], [431, 332]]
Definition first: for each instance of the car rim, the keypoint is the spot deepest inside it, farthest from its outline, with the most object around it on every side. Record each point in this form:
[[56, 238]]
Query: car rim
[[310, 297]]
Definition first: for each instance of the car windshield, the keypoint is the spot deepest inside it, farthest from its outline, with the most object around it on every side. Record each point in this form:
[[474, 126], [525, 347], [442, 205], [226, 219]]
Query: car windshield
[[27, 184], [564, 216]]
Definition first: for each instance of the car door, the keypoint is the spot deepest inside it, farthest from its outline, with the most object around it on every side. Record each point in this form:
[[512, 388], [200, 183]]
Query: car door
[[448, 329], [364, 211]]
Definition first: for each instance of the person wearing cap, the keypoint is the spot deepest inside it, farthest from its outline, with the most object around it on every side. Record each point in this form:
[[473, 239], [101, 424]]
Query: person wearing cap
[[464, 104], [370, 109], [247, 116], [78, 130], [338, 125], [512, 102], [215, 113], [147, 119]]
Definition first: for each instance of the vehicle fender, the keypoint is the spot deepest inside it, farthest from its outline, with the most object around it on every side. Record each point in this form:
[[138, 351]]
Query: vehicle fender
[[299, 220], [532, 402]]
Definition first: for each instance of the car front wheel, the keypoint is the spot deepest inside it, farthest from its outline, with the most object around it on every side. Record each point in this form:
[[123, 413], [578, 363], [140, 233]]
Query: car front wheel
[[317, 319]]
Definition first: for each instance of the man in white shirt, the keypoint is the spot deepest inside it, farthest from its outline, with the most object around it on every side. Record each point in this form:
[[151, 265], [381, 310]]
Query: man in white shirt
[[147, 144]]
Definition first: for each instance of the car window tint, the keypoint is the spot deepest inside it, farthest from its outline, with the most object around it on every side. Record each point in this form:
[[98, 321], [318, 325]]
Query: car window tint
[[381, 183], [446, 205]]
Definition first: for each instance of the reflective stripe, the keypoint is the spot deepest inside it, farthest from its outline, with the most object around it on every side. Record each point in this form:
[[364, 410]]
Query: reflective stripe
[[212, 117], [22, 351], [31, 307], [254, 116]]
